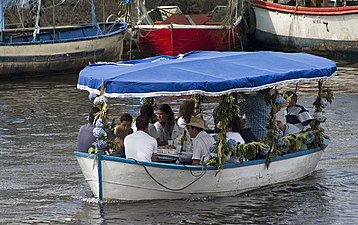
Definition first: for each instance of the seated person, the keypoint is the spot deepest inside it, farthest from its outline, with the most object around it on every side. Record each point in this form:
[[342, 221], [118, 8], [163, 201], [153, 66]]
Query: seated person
[[287, 128], [297, 114], [166, 126], [186, 111], [122, 129], [257, 111], [201, 140], [148, 111], [140, 145], [233, 129], [246, 133], [85, 136]]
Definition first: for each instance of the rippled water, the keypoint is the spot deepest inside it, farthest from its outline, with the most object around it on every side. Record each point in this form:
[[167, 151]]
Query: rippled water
[[41, 182]]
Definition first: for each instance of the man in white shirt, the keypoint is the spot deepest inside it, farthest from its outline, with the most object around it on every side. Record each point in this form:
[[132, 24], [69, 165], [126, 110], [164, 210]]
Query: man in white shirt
[[140, 145], [201, 140]]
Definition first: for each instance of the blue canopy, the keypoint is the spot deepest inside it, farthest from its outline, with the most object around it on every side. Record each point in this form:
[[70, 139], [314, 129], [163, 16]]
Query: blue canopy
[[209, 73]]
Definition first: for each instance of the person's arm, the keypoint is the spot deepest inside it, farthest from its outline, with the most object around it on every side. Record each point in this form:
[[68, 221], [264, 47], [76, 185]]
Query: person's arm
[[154, 157], [196, 153], [161, 134]]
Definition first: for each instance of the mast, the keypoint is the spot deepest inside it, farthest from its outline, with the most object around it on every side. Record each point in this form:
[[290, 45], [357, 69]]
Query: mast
[[93, 12], [53, 21], [2, 23], [37, 25]]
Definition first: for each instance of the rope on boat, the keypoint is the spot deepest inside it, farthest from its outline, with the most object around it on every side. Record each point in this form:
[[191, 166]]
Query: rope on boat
[[203, 171]]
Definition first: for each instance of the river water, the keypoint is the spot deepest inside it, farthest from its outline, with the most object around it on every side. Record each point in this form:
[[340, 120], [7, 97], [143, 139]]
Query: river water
[[41, 182]]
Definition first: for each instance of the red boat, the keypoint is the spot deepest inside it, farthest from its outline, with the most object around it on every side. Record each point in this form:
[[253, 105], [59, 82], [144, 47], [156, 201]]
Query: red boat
[[179, 34]]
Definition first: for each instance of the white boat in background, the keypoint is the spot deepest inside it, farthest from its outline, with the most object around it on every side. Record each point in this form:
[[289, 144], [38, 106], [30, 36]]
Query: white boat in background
[[112, 177], [330, 31], [59, 50]]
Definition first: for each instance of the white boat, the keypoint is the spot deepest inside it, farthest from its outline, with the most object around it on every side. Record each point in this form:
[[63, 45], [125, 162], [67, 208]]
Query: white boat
[[126, 179], [60, 50], [207, 73], [320, 30]]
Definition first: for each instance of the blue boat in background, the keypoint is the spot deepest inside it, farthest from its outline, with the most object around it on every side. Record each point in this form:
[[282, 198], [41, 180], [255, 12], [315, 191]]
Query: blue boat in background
[[58, 49]]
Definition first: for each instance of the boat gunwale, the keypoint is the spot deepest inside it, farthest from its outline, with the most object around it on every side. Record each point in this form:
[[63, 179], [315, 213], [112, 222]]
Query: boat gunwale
[[327, 11], [122, 29], [192, 167]]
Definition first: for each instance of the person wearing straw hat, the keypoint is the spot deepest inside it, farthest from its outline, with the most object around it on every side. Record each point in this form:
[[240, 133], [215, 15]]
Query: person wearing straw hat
[[201, 139]]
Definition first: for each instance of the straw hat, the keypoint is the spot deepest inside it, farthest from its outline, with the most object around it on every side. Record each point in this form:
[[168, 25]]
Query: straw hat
[[197, 122]]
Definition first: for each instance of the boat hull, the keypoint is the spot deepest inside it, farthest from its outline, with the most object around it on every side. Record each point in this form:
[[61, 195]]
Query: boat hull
[[176, 39], [68, 55], [124, 179], [323, 31]]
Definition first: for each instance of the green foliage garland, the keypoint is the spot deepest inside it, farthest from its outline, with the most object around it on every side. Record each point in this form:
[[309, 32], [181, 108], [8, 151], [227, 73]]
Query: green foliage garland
[[227, 109], [198, 100], [102, 115], [250, 150]]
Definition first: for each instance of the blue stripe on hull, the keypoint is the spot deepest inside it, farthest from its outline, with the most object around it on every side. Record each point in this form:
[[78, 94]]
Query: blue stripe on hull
[[69, 34], [346, 49], [185, 167]]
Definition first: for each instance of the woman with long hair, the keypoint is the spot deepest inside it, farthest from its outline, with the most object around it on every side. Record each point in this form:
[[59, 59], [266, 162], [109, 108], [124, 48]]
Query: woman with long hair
[[186, 111], [166, 126]]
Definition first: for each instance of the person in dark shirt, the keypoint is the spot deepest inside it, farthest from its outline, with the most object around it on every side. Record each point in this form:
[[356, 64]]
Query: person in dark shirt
[[85, 136]]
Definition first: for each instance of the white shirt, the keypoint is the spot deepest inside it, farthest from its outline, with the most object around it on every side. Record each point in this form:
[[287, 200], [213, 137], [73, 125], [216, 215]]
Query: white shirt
[[201, 145], [181, 122], [140, 146], [291, 129], [236, 136]]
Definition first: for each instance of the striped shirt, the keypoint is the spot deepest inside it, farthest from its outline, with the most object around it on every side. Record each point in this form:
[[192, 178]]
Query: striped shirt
[[298, 116]]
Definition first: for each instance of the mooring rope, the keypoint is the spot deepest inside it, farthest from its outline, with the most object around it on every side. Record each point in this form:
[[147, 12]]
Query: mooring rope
[[203, 171]]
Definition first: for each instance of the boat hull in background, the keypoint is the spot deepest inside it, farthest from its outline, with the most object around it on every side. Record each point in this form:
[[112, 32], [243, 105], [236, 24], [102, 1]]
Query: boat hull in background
[[324, 31], [72, 49], [174, 39]]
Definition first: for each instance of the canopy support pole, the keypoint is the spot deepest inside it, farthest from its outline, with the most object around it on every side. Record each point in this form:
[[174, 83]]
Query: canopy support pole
[[320, 88], [99, 170]]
